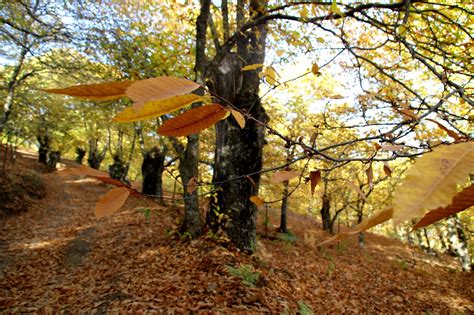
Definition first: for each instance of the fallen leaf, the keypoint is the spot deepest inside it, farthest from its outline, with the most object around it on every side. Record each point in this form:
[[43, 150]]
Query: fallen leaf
[[283, 176]]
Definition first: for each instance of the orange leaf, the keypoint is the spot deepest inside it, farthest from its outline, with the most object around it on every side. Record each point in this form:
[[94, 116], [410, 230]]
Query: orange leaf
[[239, 118], [159, 88], [82, 171], [377, 146], [111, 202], [283, 176], [386, 169], [370, 176], [191, 185], [408, 114], [450, 133], [376, 219], [315, 178], [192, 121], [101, 91], [257, 201], [461, 201]]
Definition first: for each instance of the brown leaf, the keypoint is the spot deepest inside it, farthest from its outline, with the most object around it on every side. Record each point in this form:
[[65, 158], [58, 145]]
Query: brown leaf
[[377, 146], [408, 114], [82, 171], [461, 201], [101, 91], [450, 132], [386, 169], [392, 147], [315, 178], [313, 138], [357, 189], [370, 176], [192, 121], [315, 69], [239, 118], [257, 201], [191, 185], [283, 176], [111, 202], [376, 219], [159, 88]]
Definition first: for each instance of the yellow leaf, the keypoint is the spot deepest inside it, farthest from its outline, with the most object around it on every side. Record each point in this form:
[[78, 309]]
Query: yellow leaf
[[335, 9], [357, 189], [101, 91], [111, 202], [270, 76], [239, 118], [433, 180], [376, 219], [280, 52], [159, 88], [257, 201], [283, 176], [157, 108], [255, 66], [304, 13], [315, 69], [193, 121]]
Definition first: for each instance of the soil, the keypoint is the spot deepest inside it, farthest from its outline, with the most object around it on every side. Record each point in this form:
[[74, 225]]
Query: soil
[[57, 257]]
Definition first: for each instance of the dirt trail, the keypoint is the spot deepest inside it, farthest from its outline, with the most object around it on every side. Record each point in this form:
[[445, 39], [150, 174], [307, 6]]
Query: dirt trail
[[57, 257]]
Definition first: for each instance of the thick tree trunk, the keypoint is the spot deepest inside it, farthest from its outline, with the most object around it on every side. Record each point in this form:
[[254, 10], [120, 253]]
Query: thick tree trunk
[[360, 218], [284, 208], [95, 157], [326, 215], [239, 151], [152, 171], [43, 149], [54, 157], [117, 169], [80, 153], [458, 239]]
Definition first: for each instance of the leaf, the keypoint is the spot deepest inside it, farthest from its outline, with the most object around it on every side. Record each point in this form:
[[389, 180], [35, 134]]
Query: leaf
[[386, 169], [315, 178], [450, 133], [254, 66], [191, 185], [101, 91], [283, 176], [111, 202], [270, 76], [337, 97], [157, 108], [335, 9], [111, 181], [431, 182], [82, 171], [315, 69], [257, 201], [357, 189], [408, 114], [159, 88], [377, 146], [370, 176], [376, 219], [392, 147], [192, 121], [239, 118], [461, 202]]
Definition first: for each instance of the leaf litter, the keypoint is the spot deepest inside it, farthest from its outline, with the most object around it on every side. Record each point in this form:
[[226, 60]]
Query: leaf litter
[[131, 263]]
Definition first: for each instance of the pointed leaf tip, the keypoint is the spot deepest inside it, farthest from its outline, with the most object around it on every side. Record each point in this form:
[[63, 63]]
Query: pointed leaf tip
[[111, 202]]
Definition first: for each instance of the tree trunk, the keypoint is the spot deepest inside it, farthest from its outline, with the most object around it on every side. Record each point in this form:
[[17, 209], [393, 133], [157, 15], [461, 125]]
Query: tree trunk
[[236, 147], [43, 149], [284, 208], [53, 158], [360, 218], [458, 239], [326, 214], [95, 157], [80, 153], [117, 169], [152, 171]]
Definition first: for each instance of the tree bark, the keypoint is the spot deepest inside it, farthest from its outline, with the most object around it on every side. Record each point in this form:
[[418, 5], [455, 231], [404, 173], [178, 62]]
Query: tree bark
[[239, 151], [80, 153], [43, 149], [95, 157], [152, 171], [53, 158], [326, 214], [284, 208]]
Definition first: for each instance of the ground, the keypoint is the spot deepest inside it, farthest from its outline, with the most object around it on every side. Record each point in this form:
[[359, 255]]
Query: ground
[[56, 256]]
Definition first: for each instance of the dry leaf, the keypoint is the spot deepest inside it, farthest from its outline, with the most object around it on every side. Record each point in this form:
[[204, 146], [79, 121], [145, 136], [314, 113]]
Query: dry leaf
[[461, 202], [252, 67], [377, 146], [315, 178], [257, 201], [374, 220], [101, 91], [157, 108], [191, 185], [357, 189], [408, 114], [386, 169], [159, 88], [391, 147], [111, 202], [432, 181], [239, 118], [315, 69], [283, 176], [192, 121], [450, 133], [82, 171], [370, 176]]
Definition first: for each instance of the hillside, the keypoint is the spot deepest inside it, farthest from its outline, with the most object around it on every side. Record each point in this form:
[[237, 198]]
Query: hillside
[[57, 257]]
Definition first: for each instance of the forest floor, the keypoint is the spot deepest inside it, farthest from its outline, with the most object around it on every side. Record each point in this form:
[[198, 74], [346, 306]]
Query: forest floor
[[57, 257]]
